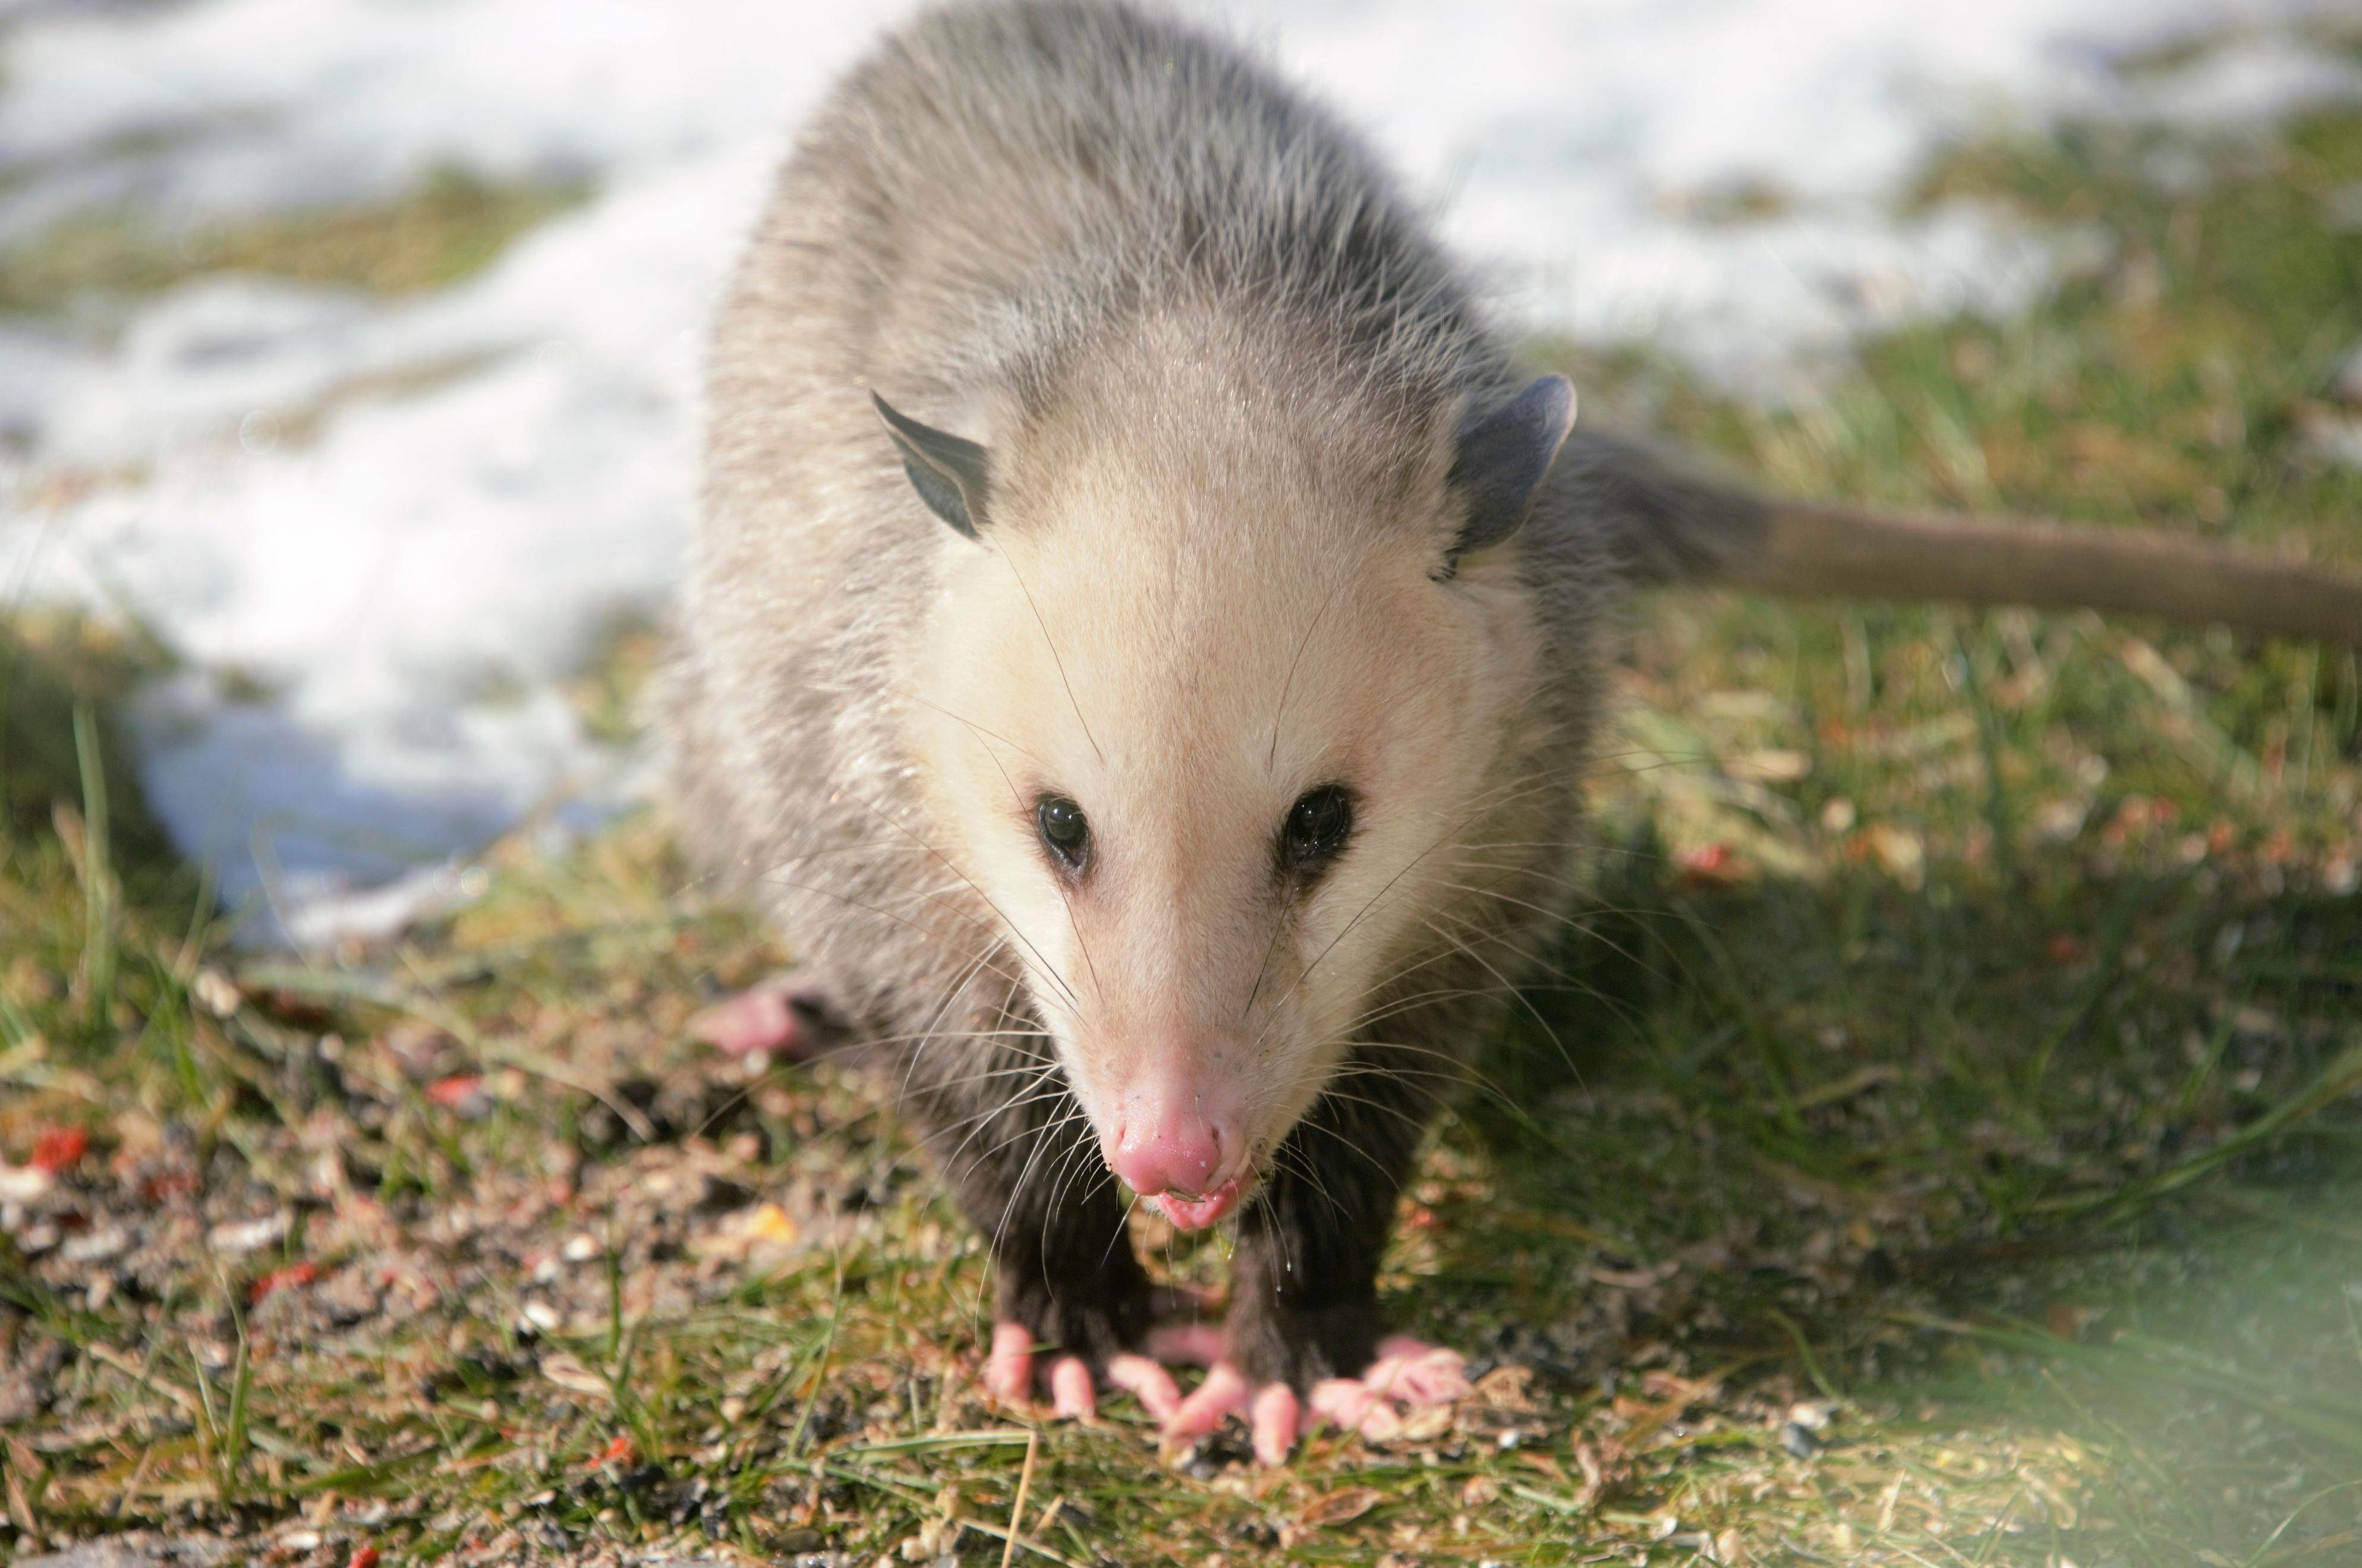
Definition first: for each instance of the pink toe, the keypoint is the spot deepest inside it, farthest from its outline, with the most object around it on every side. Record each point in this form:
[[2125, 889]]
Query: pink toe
[[1435, 1382], [1277, 1413], [1342, 1400], [1223, 1392], [1008, 1368], [1071, 1394], [1147, 1382], [1416, 1373]]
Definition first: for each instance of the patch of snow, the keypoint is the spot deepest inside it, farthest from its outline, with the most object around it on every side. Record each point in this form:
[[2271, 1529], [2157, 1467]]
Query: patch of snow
[[404, 524], [411, 575], [2251, 81]]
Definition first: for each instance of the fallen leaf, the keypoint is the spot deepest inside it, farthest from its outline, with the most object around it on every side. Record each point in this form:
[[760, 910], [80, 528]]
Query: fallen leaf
[[573, 1377], [1337, 1508], [1605, 1466], [1426, 1424], [462, 1094], [762, 1227], [238, 1236], [1775, 766], [1901, 851], [165, 1186], [59, 1149], [1673, 1385], [294, 1274], [1506, 1389], [2065, 1321], [363, 1557]]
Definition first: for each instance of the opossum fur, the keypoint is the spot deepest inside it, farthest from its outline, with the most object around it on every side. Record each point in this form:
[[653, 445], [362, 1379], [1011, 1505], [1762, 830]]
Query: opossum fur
[[1224, 374]]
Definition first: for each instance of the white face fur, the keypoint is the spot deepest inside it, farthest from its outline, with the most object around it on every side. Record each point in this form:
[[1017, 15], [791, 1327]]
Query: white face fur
[[1183, 664]]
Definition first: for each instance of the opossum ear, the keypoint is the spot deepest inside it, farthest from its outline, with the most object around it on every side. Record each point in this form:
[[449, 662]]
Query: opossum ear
[[953, 475], [1500, 459]]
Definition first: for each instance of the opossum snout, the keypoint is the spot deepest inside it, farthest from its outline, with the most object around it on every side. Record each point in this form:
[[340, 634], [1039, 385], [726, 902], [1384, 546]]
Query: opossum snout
[[1168, 1147]]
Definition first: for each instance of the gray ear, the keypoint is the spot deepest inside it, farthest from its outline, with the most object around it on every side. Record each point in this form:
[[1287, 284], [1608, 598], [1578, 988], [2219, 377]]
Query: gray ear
[[1501, 459], [953, 475]]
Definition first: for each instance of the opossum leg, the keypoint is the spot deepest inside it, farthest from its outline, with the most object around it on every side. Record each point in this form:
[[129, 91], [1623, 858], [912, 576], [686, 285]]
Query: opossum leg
[[1070, 1296], [789, 1015], [1304, 1295], [1301, 1343]]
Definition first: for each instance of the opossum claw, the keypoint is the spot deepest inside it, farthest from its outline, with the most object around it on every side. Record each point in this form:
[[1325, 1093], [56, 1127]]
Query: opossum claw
[[1147, 1382], [1276, 1418], [1071, 1391]]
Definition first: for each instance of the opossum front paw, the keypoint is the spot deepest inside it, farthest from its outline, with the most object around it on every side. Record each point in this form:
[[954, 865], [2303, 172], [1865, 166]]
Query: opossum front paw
[[1009, 1374], [1407, 1374], [1011, 1365]]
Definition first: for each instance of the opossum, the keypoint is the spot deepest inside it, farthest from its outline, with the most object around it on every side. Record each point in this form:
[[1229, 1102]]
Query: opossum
[[1143, 642]]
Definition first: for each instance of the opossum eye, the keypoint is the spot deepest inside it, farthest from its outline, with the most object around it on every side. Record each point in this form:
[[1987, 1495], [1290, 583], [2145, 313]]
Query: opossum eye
[[1318, 825], [1066, 831]]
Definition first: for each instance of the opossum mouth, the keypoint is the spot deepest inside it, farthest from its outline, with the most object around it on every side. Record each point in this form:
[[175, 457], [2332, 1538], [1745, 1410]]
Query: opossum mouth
[[1197, 1213]]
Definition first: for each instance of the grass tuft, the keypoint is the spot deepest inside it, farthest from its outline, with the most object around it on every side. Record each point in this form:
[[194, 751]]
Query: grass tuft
[[446, 227]]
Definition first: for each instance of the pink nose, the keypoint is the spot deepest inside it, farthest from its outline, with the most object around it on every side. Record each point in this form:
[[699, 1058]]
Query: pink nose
[[1171, 1152]]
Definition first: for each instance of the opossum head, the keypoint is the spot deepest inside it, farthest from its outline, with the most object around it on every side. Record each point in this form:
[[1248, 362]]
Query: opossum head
[[1208, 697]]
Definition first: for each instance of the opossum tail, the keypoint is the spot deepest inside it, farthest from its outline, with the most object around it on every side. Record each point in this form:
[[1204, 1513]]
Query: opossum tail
[[1671, 525]]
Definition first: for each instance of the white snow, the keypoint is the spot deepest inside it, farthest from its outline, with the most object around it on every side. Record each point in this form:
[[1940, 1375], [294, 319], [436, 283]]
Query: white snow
[[407, 522]]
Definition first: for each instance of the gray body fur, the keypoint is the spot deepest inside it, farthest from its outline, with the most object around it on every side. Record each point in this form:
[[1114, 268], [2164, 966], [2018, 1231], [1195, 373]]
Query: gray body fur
[[994, 203]]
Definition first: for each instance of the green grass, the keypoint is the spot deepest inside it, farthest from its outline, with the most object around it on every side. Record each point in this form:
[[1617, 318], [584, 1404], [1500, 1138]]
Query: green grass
[[440, 231], [1961, 1026]]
